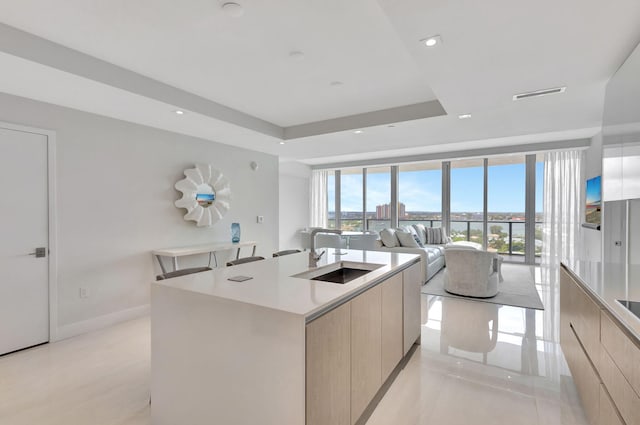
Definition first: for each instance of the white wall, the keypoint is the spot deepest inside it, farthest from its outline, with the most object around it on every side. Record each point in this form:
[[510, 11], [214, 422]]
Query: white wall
[[592, 239], [294, 202], [115, 199]]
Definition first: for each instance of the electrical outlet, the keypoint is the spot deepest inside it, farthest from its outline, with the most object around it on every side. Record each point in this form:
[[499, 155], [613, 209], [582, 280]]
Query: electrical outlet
[[260, 219], [84, 292]]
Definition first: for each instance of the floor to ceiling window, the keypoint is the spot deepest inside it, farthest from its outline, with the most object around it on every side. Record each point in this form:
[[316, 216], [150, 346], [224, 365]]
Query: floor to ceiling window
[[467, 200], [506, 193], [420, 194], [488, 201], [351, 202], [378, 198]]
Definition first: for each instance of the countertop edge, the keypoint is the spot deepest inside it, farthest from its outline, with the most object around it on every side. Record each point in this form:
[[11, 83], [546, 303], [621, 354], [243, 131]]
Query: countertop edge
[[615, 316]]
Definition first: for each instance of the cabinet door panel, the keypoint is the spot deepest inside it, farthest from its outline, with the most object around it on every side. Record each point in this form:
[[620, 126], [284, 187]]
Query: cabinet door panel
[[585, 378], [328, 379], [624, 353], [392, 329], [623, 396], [608, 412], [412, 283], [366, 362]]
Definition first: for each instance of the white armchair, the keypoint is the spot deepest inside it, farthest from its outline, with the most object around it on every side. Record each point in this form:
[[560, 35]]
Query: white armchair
[[471, 272]]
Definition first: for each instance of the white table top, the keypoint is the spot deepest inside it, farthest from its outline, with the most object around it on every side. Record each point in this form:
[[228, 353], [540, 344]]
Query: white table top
[[274, 287], [201, 249]]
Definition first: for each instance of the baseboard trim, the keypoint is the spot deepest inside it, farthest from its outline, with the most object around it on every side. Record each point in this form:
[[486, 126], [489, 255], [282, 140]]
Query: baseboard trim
[[100, 322]]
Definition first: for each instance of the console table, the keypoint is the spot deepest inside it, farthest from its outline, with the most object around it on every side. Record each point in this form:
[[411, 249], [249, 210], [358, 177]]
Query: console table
[[174, 253]]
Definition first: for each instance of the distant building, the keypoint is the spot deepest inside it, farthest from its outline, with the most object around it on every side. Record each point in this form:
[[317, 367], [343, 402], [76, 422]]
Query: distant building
[[384, 211]]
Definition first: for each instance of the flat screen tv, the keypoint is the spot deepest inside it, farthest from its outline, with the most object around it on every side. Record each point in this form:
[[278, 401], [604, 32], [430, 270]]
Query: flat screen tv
[[593, 211]]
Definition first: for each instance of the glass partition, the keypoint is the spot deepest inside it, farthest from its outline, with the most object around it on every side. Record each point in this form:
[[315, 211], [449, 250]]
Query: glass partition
[[467, 200], [420, 194], [378, 211], [506, 191]]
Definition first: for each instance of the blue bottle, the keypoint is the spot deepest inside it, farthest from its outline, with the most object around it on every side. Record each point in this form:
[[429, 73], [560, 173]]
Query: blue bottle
[[235, 232]]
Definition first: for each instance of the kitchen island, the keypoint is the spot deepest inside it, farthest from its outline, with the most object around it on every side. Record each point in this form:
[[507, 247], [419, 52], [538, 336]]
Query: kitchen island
[[600, 338], [282, 348]]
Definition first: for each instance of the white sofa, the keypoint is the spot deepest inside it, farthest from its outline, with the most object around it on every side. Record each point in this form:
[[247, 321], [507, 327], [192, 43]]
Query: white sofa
[[432, 254], [432, 257]]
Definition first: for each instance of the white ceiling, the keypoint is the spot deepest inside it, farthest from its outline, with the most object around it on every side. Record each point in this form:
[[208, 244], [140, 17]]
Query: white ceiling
[[491, 50]]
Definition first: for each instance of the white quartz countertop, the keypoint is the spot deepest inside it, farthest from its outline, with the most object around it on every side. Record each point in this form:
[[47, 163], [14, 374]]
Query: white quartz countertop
[[607, 284], [272, 285]]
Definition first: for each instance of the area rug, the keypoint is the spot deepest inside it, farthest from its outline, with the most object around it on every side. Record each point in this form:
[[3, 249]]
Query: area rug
[[518, 288]]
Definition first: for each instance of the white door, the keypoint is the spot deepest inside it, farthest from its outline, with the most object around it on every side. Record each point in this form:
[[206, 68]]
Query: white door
[[24, 277]]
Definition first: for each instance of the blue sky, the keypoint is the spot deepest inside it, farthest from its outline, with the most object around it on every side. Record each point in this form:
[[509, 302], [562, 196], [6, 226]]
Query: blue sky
[[422, 190]]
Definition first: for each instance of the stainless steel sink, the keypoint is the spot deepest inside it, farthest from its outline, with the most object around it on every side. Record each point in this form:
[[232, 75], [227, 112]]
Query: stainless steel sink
[[341, 272]]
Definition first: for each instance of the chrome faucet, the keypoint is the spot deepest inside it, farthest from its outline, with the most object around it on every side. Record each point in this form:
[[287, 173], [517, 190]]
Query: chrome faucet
[[313, 256]]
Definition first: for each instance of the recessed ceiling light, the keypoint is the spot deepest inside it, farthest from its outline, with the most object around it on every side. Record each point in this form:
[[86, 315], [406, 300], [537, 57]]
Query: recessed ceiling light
[[282, 143], [296, 55], [232, 9], [359, 131], [179, 112], [432, 41], [464, 116]]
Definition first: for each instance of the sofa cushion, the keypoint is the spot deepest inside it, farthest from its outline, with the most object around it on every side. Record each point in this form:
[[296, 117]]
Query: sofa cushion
[[407, 240], [389, 238], [422, 232]]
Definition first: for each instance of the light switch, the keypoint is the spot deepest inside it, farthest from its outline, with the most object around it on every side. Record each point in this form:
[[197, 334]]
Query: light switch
[[260, 219]]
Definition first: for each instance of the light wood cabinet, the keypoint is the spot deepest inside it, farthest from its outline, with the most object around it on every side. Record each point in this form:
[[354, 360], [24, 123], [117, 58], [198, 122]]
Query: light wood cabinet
[[353, 349], [392, 324], [624, 353], [624, 397], [575, 312], [604, 360], [366, 349], [608, 413], [328, 364], [412, 283]]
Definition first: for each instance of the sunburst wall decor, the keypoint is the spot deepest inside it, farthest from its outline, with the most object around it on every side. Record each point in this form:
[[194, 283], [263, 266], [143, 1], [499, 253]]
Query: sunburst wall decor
[[206, 195]]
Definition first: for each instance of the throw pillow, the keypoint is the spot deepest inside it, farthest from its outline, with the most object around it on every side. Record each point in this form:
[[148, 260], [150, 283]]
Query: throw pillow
[[406, 240], [421, 231], [435, 236], [388, 237]]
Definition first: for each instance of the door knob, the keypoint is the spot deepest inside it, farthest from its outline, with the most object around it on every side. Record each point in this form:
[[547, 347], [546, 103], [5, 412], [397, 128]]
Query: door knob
[[40, 252]]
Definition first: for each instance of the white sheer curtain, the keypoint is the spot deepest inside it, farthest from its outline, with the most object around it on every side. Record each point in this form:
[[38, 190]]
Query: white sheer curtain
[[318, 198], [563, 177], [563, 200]]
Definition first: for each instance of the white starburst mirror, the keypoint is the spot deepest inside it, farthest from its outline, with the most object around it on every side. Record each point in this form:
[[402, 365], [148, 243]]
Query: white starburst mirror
[[206, 195]]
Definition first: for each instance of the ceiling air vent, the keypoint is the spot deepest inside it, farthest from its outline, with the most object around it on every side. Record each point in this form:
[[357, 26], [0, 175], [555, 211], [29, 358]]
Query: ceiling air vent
[[537, 93]]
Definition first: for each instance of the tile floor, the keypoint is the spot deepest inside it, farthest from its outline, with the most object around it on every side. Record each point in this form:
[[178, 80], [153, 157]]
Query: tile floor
[[478, 363]]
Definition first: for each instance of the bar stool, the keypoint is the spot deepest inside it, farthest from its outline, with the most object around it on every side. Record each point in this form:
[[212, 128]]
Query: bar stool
[[286, 252], [182, 272], [244, 260]]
